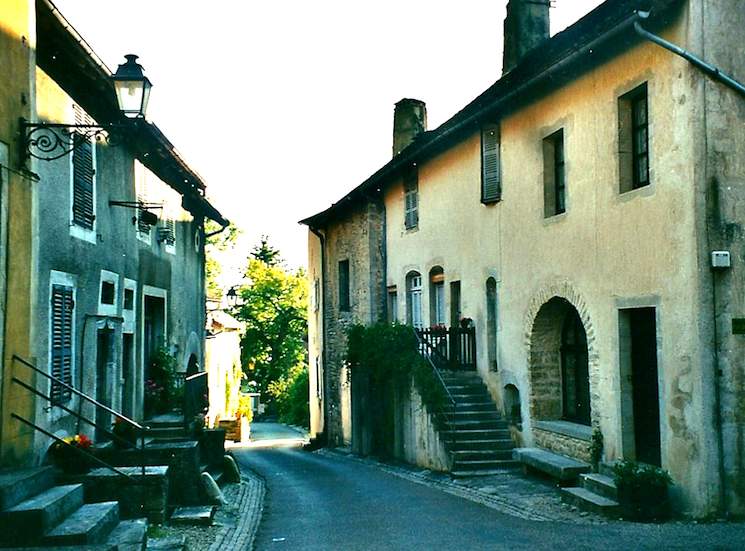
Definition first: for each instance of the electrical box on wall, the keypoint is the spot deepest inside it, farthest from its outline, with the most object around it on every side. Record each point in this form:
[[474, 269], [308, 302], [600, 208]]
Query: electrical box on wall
[[720, 260]]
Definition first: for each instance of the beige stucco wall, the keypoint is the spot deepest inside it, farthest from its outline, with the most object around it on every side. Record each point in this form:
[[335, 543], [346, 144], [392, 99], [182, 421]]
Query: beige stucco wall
[[609, 250], [315, 335]]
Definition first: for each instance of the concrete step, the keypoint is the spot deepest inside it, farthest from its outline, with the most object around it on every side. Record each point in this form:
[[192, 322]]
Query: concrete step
[[91, 523], [470, 415], [18, 485], [129, 535], [481, 445], [32, 517], [461, 398], [470, 424], [476, 406], [558, 466], [590, 501], [478, 465], [197, 515], [474, 434], [481, 455], [599, 484], [166, 432], [466, 387]]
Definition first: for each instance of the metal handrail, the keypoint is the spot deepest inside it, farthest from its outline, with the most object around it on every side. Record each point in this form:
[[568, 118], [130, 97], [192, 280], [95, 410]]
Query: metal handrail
[[58, 439], [78, 393], [452, 401]]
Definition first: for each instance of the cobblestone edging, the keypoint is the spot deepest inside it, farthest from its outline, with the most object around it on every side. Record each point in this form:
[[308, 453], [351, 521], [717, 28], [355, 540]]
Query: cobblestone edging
[[249, 505], [500, 503]]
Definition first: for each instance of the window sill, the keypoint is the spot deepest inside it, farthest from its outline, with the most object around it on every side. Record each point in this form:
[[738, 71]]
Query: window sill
[[629, 194], [83, 234], [566, 428], [554, 218]]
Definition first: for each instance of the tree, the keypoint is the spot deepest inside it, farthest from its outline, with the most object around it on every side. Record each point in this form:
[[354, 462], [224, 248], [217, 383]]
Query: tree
[[273, 348], [213, 249]]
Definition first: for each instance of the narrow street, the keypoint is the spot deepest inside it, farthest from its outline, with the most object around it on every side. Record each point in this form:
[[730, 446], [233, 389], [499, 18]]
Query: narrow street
[[321, 502]]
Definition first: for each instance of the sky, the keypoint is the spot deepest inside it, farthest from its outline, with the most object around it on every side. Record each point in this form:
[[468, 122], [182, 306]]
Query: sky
[[282, 106]]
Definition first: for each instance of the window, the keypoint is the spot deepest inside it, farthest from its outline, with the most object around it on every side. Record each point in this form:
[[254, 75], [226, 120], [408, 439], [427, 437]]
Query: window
[[316, 299], [411, 198], [167, 235], [129, 299], [61, 338], [554, 175], [392, 304], [633, 139], [491, 186], [108, 292], [129, 306], [83, 192], [344, 289], [414, 300], [437, 296], [491, 322]]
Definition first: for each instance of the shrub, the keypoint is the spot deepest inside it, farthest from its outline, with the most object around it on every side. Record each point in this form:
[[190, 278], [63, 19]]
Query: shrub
[[642, 490]]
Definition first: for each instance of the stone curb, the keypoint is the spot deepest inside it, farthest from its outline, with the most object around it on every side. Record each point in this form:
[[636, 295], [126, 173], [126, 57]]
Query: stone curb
[[503, 504], [250, 508]]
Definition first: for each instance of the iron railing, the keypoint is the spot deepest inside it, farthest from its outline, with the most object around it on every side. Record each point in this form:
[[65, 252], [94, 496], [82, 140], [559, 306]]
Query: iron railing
[[140, 430], [450, 406], [451, 348]]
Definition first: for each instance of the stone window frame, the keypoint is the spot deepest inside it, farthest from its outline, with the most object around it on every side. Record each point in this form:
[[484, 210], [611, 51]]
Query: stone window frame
[[629, 151], [554, 174]]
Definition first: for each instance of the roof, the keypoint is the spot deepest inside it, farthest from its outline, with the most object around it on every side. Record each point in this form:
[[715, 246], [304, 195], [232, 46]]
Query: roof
[[561, 58], [71, 62]]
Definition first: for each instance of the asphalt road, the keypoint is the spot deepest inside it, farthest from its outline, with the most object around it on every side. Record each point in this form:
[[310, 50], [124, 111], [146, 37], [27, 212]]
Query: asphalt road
[[319, 502]]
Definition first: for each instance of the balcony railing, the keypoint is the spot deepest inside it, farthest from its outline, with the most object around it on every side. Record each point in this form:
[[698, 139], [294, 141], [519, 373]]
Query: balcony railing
[[452, 348]]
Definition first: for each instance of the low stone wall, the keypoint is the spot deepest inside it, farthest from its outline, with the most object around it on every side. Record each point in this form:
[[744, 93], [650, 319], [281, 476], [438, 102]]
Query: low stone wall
[[137, 496], [417, 439], [576, 448]]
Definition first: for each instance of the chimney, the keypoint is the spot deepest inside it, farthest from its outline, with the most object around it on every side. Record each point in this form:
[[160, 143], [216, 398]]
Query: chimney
[[525, 28], [409, 120]]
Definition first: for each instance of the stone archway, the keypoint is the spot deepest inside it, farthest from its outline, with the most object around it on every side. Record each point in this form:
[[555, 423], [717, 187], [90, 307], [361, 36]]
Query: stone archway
[[549, 374]]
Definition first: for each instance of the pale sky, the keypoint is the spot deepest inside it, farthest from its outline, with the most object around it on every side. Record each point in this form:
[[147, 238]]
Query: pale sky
[[284, 105]]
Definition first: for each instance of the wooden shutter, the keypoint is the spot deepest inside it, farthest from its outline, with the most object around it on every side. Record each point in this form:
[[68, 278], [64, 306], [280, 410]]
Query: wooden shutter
[[411, 199], [491, 188], [83, 207], [61, 337]]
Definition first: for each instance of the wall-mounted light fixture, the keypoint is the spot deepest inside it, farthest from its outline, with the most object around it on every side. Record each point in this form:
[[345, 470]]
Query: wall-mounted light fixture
[[146, 217], [50, 141]]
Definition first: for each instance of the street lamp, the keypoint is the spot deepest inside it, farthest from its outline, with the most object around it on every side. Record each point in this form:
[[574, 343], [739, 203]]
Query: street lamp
[[232, 297], [50, 141], [132, 88]]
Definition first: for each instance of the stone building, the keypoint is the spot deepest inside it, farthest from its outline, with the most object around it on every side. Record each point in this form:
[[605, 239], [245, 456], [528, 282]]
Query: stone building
[[115, 263], [584, 214]]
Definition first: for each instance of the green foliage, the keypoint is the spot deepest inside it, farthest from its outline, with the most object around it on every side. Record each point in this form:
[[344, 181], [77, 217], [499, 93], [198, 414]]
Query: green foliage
[[387, 356], [215, 245], [244, 407], [273, 308], [630, 474], [160, 388], [290, 394], [266, 253], [642, 490]]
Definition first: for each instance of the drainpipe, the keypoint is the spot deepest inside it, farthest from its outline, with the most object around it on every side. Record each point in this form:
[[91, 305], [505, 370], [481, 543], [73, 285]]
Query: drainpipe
[[322, 238], [707, 68], [715, 74]]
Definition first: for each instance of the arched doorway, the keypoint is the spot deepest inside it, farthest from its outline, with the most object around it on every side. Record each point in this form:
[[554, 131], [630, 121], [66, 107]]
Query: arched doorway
[[559, 367]]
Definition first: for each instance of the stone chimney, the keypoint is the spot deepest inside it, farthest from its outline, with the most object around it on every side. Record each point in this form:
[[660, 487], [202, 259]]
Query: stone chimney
[[409, 120], [525, 28]]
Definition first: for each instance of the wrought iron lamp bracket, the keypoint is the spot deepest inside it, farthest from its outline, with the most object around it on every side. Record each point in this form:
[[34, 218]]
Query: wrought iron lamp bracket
[[51, 141]]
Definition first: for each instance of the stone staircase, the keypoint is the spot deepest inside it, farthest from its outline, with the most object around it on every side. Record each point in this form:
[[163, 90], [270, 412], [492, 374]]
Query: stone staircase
[[475, 434], [35, 513], [597, 493]]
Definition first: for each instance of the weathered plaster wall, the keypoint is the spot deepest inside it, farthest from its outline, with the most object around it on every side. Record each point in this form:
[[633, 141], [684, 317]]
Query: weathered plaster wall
[[18, 224], [315, 335], [608, 251], [418, 441]]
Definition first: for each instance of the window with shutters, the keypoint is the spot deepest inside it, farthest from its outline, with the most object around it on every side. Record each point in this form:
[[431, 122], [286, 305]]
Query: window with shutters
[[167, 235], [491, 185], [61, 339], [414, 300], [83, 182], [633, 139], [554, 175], [411, 198]]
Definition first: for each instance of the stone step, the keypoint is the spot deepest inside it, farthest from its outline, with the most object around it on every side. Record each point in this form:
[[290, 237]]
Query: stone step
[[476, 406], [478, 465], [91, 523], [197, 516], [497, 467], [461, 398], [590, 501], [562, 468], [170, 543], [18, 485], [166, 432], [481, 455], [477, 445], [471, 424], [467, 388], [129, 535], [470, 415], [474, 434], [32, 517], [599, 484]]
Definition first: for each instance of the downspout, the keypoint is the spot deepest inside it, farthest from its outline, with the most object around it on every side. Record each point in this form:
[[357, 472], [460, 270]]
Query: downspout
[[223, 227], [322, 239], [715, 74], [707, 68]]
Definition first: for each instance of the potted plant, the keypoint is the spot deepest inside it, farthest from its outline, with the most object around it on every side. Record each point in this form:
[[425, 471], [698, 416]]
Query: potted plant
[[125, 434], [642, 491], [70, 454]]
